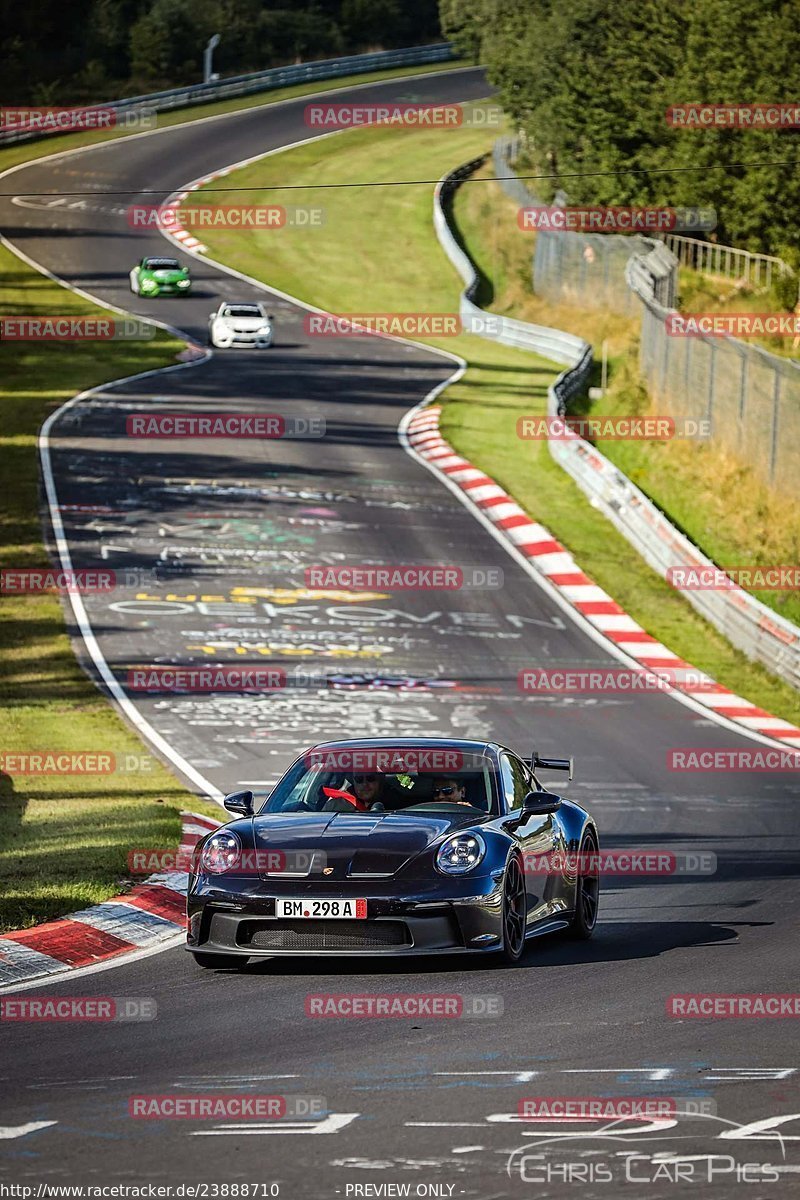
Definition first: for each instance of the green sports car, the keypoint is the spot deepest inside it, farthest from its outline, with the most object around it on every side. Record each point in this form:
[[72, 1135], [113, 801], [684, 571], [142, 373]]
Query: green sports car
[[152, 276]]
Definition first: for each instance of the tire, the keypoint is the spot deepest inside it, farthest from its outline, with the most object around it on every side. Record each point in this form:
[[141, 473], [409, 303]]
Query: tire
[[218, 962], [515, 910], [587, 895]]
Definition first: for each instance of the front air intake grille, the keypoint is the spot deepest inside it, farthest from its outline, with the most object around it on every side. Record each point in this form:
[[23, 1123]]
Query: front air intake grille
[[323, 935]]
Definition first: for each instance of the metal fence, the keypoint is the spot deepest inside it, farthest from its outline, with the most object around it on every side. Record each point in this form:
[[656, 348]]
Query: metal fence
[[747, 397], [260, 81], [728, 261], [580, 268]]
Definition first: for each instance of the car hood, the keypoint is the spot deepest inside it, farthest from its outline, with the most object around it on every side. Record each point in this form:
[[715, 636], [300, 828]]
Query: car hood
[[352, 844], [245, 324]]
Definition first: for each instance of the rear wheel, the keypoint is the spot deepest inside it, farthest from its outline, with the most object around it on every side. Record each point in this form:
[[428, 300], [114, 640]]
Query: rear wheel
[[515, 911], [587, 892], [218, 961]]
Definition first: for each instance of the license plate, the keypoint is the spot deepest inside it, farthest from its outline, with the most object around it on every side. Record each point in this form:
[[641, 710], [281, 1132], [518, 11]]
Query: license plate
[[317, 910]]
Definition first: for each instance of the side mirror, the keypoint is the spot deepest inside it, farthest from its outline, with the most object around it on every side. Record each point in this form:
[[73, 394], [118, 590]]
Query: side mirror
[[239, 802], [211, 316], [538, 804]]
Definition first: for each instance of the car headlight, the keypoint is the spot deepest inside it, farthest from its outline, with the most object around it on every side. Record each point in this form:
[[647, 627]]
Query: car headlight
[[184, 282], [148, 285], [222, 852], [460, 853]]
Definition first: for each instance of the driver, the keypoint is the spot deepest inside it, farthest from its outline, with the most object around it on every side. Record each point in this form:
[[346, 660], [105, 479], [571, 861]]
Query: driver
[[449, 790], [368, 788]]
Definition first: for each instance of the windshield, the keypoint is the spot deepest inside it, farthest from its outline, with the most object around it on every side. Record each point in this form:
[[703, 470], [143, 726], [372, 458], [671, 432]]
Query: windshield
[[162, 264], [242, 310], [316, 788]]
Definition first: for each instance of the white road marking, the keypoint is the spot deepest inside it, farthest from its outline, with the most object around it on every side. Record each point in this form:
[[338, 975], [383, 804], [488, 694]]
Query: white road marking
[[17, 1131], [333, 1123]]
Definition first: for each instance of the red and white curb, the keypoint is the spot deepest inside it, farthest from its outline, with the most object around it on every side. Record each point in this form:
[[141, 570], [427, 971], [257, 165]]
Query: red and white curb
[[171, 225], [549, 557], [149, 913]]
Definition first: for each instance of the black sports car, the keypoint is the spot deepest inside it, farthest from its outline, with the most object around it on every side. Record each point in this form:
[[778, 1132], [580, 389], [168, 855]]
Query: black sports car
[[423, 846]]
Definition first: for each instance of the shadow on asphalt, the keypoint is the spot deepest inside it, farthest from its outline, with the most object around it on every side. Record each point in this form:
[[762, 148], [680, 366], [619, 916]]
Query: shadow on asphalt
[[615, 941]]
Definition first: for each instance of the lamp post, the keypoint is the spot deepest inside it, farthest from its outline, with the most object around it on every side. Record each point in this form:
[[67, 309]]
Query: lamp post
[[208, 54]]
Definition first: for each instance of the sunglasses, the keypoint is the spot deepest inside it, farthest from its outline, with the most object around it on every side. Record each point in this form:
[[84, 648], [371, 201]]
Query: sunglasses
[[445, 791]]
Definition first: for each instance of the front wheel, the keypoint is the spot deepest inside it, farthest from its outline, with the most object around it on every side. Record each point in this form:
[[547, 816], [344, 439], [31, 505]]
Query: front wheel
[[218, 962], [515, 912], [587, 891]]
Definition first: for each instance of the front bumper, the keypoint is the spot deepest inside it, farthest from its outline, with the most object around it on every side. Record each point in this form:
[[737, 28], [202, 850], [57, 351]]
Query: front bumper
[[160, 288], [237, 338], [457, 916]]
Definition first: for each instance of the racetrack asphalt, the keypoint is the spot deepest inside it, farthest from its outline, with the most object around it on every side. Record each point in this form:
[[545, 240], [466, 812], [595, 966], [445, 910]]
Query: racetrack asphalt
[[224, 523]]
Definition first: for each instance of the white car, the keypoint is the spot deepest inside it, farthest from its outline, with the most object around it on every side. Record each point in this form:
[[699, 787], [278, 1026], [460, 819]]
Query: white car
[[242, 324]]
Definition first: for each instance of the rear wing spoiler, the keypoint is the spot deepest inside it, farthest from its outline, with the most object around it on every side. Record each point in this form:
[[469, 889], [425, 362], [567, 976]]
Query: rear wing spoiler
[[551, 764]]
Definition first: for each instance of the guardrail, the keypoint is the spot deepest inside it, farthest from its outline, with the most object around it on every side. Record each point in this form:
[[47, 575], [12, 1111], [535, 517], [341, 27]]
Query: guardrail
[[750, 625], [554, 344], [747, 623], [259, 81]]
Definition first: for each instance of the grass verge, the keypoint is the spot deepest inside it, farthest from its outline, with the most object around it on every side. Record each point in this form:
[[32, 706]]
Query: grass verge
[[64, 839], [377, 252]]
